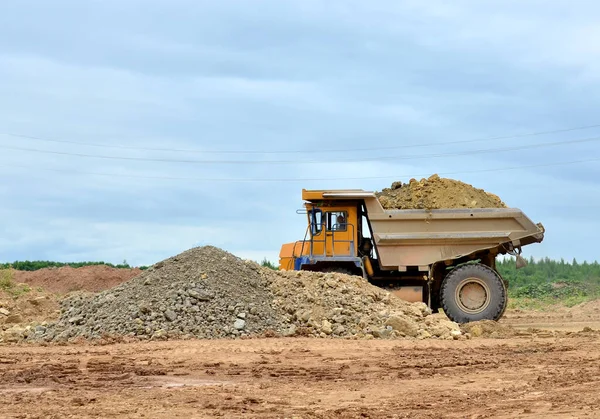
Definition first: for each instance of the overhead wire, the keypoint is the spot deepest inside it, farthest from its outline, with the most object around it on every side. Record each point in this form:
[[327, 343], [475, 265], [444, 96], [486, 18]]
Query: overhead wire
[[261, 180], [328, 161], [325, 150]]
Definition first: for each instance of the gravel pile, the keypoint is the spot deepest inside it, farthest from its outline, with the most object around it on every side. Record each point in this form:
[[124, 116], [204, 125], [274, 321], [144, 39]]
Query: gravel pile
[[435, 193], [208, 293], [203, 292]]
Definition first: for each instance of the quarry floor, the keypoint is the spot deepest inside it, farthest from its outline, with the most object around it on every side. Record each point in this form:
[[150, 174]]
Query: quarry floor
[[537, 375]]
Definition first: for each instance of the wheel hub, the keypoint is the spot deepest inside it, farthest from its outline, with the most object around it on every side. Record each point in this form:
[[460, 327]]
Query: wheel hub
[[473, 295]]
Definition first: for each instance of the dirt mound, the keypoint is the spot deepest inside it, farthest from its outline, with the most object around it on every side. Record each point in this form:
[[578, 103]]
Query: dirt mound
[[435, 193], [589, 309], [208, 293], [25, 313], [66, 279], [343, 305]]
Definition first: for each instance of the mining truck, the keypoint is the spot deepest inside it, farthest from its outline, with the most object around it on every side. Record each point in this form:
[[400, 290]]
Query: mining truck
[[445, 258]]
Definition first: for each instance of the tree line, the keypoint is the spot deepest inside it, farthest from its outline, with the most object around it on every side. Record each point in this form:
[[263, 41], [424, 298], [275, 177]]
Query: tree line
[[34, 265], [551, 278]]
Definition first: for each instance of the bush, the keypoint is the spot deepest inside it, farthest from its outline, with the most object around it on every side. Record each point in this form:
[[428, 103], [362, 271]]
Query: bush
[[268, 264], [7, 283], [6, 279]]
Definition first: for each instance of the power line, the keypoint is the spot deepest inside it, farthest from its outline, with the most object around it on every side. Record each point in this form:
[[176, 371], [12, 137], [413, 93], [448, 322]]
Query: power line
[[257, 180], [182, 150], [361, 160]]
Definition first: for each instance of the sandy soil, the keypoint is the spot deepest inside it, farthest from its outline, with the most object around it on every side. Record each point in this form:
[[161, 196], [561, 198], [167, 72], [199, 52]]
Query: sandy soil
[[558, 318], [305, 378], [66, 279], [436, 192]]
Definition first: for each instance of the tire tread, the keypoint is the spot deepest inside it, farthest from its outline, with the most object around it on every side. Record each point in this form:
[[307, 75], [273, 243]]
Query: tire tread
[[497, 288]]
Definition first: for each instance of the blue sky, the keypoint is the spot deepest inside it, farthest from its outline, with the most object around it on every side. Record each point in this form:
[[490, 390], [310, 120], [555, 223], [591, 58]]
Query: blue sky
[[304, 77]]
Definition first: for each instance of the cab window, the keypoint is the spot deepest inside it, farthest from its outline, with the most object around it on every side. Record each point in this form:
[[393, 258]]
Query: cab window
[[337, 221]]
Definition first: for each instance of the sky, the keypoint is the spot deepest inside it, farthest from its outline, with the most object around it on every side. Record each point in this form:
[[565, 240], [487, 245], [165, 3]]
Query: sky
[[134, 130]]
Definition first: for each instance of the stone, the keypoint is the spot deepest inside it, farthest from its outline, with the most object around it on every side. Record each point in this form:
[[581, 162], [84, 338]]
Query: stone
[[241, 316], [326, 327], [440, 331], [290, 331], [170, 315], [456, 334], [414, 311], [403, 325], [193, 293], [144, 308], [14, 318], [36, 301], [159, 334], [239, 324], [381, 333], [4, 311], [14, 334], [424, 334], [339, 330]]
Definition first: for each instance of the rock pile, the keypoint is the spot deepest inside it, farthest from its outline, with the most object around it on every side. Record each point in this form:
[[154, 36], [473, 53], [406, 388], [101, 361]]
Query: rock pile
[[208, 293], [435, 193], [203, 292]]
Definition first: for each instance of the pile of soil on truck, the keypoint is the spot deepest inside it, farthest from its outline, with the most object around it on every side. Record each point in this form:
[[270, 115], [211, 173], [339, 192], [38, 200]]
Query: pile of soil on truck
[[435, 193], [208, 293]]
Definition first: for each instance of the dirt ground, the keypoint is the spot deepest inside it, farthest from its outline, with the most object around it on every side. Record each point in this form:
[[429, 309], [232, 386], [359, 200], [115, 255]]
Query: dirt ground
[[66, 279], [529, 376], [558, 318]]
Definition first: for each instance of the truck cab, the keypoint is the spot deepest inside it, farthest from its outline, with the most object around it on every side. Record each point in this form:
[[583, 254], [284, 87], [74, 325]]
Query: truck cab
[[332, 238]]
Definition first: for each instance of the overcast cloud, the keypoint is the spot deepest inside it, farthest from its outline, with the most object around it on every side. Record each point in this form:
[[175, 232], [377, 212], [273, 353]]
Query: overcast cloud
[[305, 76]]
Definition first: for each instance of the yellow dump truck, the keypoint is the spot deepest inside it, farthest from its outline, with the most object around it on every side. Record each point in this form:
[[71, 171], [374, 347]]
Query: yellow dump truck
[[444, 257]]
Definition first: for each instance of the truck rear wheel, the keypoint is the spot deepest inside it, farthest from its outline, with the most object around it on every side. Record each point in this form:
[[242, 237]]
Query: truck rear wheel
[[473, 292]]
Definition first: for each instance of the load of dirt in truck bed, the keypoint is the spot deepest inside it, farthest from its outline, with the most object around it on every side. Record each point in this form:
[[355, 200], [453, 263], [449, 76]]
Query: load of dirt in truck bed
[[67, 279], [208, 293], [435, 193]]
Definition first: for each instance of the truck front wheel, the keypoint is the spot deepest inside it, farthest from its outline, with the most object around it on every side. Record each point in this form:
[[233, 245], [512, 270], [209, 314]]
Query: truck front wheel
[[473, 292]]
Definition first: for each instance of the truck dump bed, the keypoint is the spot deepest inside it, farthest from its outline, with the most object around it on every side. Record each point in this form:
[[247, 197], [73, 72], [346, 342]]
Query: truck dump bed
[[419, 238]]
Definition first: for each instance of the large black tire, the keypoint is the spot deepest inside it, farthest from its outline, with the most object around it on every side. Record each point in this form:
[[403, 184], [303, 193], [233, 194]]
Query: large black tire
[[473, 292]]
